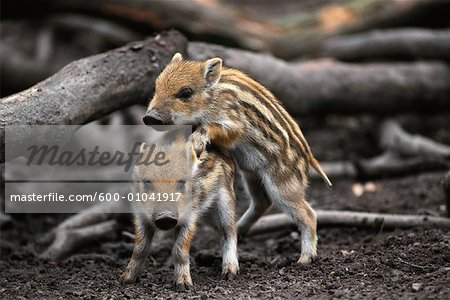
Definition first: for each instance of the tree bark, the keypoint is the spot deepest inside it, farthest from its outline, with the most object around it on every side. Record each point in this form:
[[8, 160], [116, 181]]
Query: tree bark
[[93, 87], [400, 44], [324, 86]]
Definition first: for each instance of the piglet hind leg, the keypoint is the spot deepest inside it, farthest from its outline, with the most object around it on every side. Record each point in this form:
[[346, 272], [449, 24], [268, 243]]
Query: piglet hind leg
[[295, 205], [228, 231], [143, 238], [306, 219], [185, 234]]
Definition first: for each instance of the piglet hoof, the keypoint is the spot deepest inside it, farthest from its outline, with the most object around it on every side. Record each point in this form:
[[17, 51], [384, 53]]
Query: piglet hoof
[[127, 278], [229, 276], [183, 286], [230, 272], [305, 260], [183, 283]]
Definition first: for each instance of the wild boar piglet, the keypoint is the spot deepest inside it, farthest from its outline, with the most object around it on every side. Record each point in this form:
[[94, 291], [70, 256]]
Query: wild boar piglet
[[175, 195], [238, 114]]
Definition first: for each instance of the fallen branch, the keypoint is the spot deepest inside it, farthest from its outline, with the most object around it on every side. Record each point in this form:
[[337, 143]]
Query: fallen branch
[[405, 154], [320, 87], [394, 138], [67, 241], [108, 32], [83, 229], [390, 164], [93, 87], [349, 218], [336, 170], [390, 44]]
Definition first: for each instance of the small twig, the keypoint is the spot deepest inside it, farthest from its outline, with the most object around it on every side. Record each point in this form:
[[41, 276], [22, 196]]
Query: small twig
[[416, 266]]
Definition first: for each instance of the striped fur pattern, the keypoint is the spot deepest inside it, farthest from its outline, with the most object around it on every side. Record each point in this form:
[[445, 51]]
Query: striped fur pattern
[[208, 189], [236, 113]]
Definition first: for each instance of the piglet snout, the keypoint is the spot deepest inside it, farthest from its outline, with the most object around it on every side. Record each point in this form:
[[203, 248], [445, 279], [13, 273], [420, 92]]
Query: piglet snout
[[166, 220]]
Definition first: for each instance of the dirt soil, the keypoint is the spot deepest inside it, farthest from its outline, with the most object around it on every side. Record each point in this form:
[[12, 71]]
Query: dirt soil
[[353, 263]]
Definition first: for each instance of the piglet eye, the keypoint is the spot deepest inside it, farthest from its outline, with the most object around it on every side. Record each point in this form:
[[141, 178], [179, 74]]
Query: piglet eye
[[185, 94], [148, 186], [181, 185]]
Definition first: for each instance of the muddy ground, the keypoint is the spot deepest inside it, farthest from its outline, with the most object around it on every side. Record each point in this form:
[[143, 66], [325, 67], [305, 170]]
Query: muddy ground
[[353, 263]]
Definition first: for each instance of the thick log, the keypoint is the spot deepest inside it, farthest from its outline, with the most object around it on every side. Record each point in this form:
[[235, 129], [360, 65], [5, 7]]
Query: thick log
[[280, 221], [325, 86], [397, 44], [93, 87]]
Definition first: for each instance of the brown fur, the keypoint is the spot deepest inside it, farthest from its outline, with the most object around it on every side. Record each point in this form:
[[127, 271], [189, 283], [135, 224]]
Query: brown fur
[[236, 113], [209, 183]]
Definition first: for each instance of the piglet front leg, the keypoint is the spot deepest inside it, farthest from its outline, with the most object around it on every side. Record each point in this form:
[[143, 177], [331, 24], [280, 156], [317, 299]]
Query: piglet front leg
[[143, 238], [185, 234]]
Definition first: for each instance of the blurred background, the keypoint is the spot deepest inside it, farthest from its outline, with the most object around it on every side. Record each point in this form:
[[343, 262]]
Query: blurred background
[[367, 80]]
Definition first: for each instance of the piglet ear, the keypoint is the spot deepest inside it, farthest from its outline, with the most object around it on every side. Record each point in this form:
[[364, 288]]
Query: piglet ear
[[177, 57], [213, 67]]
